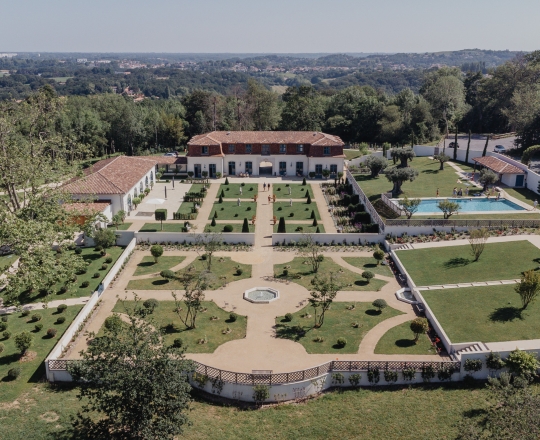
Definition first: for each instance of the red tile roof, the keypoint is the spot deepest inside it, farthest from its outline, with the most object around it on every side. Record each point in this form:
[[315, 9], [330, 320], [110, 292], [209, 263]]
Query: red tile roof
[[497, 165], [116, 175], [266, 137], [85, 207]]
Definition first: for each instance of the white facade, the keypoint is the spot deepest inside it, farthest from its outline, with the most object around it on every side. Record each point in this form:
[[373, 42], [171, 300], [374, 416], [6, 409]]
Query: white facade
[[287, 164]]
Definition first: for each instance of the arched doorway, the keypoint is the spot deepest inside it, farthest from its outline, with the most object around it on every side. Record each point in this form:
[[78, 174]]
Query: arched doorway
[[265, 168]]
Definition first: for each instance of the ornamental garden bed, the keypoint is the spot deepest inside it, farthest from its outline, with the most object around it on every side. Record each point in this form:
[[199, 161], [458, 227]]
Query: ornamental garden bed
[[236, 227], [231, 210], [232, 190], [400, 340], [148, 265], [299, 210], [214, 331], [369, 263], [308, 228], [338, 323], [298, 191]]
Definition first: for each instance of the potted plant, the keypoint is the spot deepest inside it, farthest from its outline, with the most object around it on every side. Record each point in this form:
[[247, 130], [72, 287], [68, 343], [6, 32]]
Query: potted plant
[[218, 175], [190, 174], [204, 174], [312, 174]]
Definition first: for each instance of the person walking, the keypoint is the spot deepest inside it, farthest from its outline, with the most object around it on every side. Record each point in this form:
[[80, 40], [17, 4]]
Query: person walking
[[437, 192], [535, 204], [454, 192], [264, 186]]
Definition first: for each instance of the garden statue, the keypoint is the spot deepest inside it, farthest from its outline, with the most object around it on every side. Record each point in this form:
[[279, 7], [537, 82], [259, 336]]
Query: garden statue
[[290, 202], [240, 190], [289, 190], [238, 201]]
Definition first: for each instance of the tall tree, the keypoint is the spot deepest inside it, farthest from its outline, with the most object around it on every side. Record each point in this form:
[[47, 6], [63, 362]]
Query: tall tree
[[304, 109]]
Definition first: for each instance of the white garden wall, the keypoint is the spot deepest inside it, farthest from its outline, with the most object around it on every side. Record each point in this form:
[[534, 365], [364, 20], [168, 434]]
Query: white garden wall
[[180, 237], [327, 239]]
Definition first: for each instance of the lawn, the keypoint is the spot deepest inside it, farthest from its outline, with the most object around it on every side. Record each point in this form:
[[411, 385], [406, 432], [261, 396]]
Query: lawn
[[94, 261], [232, 190], [167, 227], [369, 263], [231, 210], [523, 194], [148, 265], [223, 272], [185, 207], [164, 315], [307, 228], [337, 323], [33, 370], [400, 340], [299, 210], [425, 185], [454, 264], [237, 227], [122, 227], [351, 154], [486, 314], [372, 413], [298, 191], [351, 281]]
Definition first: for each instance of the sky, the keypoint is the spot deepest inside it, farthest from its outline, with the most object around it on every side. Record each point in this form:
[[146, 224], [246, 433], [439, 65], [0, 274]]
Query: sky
[[267, 26]]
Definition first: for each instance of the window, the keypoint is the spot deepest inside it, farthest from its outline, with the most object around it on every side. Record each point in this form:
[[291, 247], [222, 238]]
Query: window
[[249, 168], [283, 148], [282, 168], [248, 148], [318, 170], [265, 150], [326, 151], [231, 148], [299, 148], [333, 169], [205, 150]]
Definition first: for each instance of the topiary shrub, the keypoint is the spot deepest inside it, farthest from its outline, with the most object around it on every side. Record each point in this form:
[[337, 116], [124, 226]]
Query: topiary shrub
[[285, 272], [373, 375], [63, 289], [178, 343], [38, 327], [233, 317], [6, 334], [104, 266], [3, 326], [248, 208], [108, 260], [378, 255], [61, 308], [239, 271], [85, 283], [151, 304], [428, 373], [14, 373], [390, 376], [288, 317], [5, 318], [291, 214], [227, 228], [36, 317], [213, 222], [25, 312], [51, 332], [98, 248], [78, 251], [341, 342], [367, 275], [379, 304], [156, 251], [96, 275], [281, 226], [60, 319]]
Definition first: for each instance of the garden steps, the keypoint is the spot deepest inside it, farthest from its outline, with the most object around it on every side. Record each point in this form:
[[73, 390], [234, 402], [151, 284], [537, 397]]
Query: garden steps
[[478, 347]]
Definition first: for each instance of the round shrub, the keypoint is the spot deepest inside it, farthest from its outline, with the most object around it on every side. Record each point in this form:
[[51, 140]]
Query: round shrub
[[25, 312], [73, 279], [151, 304], [167, 274], [285, 272], [288, 317], [248, 208], [104, 266], [5, 318], [6, 334], [2, 347], [291, 214], [280, 208], [233, 317], [239, 271], [367, 275], [3, 326], [85, 283], [103, 253], [61, 308], [98, 248], [36, 317], [38, 327], [96, 275], [108, 260], [60, 319], [227, 228], [113, 323], [203, 257], [379, 304], [82, 271], [78, 251], [341, 342], [177, 343], [51, 332], [14, 373], [62, 290]]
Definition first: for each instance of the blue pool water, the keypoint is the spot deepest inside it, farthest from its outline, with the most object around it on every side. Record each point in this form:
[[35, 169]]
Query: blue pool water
[[474, 205]]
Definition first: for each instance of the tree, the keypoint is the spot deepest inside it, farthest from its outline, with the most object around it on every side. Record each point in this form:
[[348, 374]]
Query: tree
[[156, 251], [468, 146], [478, 239], [324, 290], [117, 220], [281, 229], [419, 326], [160, 215], [379, 304], [104, 238], [368, 275], [304, 109], [448, 207], [410, 206], [442, 158], [23, 341], [206, 244], [404, 155], [311, 251], [529, 153], [213, 222], [194, 283], [376, 164], [378, 255], [522, 364], [455, 145], [108, 383], [528, 287], [487, 177], [485, 146], [398, 176], [245, 226]]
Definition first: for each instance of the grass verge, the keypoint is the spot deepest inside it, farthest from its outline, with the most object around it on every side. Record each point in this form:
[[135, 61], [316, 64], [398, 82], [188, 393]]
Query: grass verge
[[148, 265]]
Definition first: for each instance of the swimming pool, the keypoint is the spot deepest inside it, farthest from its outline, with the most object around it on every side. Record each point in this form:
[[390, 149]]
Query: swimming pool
[[474, 205]]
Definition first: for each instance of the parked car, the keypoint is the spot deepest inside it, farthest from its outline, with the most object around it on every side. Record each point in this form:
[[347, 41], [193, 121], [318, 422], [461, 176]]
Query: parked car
[[172, 153], [499, 149], [451, 145]]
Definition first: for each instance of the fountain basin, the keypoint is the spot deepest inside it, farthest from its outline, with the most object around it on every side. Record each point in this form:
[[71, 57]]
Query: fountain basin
[[261, 295]]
